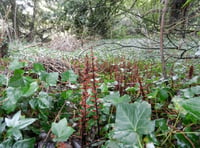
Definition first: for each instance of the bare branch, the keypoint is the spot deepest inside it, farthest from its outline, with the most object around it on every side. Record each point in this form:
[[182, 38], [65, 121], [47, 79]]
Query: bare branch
[[139, 47], [164, 72]]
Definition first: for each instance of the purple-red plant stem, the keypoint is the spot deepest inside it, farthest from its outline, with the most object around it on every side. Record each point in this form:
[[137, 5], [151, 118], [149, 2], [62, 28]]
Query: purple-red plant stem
[[141, 87], [85, 95], [95, 92]]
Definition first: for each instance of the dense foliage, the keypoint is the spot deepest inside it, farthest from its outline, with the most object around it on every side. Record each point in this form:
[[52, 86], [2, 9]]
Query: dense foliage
[[107, 18], [134, 107]]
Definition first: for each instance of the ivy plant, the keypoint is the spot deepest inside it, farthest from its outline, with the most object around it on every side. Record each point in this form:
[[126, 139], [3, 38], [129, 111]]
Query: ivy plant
[[132, 122]]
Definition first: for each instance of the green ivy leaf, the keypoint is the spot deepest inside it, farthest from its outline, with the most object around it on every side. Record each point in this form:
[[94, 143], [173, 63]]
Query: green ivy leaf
[[131, 89], [14, 121], [66, 94], [113, 144], [30, 89], [104, 88], [182, 141], [191, 106], [161, 124], [191, 92], [132, 121], [152, 138], [16, 65], [126, 138], [33, 103], [43, 101], [14, 132], [17, 80], [163, 94], [69, 76], [115, 98], [6, 144], [9, 105], [25, 122], [52, 78], [49, 78], [61, 130], [196, 90], [13, 95], [38, 68], [194, 80], [188, 93], [25, 143], [18, 123], [3, 80]]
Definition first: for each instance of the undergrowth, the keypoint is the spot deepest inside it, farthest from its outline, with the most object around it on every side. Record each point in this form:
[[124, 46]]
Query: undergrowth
[[98, 102]]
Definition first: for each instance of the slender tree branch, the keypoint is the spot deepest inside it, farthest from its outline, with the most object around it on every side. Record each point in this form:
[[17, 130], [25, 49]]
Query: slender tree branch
[[162, 25], [139, 47]]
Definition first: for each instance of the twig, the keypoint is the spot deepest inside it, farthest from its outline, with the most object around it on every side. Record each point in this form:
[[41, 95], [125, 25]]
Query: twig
[[164, 72], [56, 118], [186, 137], [32, 45], [1, 102], [139, 47], [180, 22]]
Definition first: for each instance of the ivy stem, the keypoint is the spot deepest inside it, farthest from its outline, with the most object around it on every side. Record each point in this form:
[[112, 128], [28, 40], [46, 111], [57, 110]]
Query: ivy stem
[[111, 112], [139, 142], [169, 134], [56, 118], [171, 131]]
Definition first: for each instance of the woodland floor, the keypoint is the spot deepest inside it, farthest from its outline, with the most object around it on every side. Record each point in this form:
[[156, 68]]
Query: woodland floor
[[133, 63]]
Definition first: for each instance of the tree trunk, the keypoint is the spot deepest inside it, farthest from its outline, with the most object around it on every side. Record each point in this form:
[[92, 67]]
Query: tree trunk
[[14, 18], [3, 46], [177, 11], [32, 26], [162, 25], [177, 14]]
